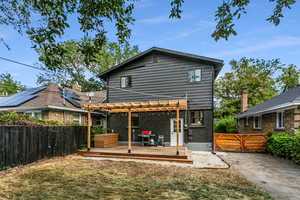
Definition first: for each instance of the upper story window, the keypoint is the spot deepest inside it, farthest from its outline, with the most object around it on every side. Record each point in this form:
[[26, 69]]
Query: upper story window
[[194, 75], [125, 81], [257, 122], [197, 118], [280, 120]]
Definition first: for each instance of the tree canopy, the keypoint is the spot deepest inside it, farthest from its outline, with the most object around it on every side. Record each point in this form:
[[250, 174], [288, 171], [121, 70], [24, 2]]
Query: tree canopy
[[8, 85], [45, 22], [258, 76], [289, 78], [74, 69]]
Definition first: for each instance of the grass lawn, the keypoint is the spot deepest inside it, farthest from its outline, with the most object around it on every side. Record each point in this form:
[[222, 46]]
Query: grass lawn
[[75, 178]]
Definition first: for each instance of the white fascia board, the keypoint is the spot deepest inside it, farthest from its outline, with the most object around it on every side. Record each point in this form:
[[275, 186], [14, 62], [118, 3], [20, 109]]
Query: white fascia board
[[280, 107]]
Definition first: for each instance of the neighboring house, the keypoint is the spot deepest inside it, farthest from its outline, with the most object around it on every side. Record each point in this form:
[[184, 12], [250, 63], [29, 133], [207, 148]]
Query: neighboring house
[[55, 103], [162, 74], [281, 113]]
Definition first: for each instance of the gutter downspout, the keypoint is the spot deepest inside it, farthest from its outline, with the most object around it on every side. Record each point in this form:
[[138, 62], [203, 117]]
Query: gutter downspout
[[212, 107]]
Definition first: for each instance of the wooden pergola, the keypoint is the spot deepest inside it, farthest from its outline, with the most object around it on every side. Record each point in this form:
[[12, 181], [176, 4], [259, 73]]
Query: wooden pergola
[[138, 106]]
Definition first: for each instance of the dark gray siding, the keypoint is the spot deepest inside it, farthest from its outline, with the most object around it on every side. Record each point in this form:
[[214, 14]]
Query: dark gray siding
[[202, 133], [168, 77], [159, 124]]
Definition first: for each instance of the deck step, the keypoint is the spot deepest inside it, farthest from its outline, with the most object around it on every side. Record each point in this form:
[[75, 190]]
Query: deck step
[[141, 158], [136, 154]]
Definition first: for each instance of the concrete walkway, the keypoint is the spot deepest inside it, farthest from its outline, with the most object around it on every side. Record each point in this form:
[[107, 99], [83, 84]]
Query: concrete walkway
[[281, 178]]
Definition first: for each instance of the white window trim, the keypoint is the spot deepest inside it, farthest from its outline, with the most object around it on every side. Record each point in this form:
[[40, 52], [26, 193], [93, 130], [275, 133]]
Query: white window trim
[[192, 78], [79, 118], [282, 120], [127, 81], [259, 122], [31, 113]]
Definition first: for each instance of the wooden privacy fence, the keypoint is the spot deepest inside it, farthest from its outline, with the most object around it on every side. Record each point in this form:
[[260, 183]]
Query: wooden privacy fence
[[255, 142], [21, 145]]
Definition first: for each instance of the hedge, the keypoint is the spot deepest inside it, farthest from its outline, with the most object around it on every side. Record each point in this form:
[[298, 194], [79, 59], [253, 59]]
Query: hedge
[[13, 118], [226, 124], [285, 146]]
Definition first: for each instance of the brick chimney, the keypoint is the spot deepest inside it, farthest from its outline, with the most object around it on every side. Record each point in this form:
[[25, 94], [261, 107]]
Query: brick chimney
[[244, 100], [76, 87]]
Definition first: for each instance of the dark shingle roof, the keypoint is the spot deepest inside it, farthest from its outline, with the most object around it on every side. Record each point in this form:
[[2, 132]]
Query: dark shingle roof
[[217, 63], [52, 95], [288, 98]]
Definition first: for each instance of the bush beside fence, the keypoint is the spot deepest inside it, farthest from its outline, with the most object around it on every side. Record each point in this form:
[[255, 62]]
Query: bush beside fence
[[285, 145], [21, 145]]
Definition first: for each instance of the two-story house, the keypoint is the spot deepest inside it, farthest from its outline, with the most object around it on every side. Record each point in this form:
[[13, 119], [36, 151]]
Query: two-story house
[[163, 74]]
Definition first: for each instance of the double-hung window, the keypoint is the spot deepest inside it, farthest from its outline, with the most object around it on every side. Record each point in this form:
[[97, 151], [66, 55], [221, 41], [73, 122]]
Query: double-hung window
[[125, 81], [194, 75], [280, 120], [257, 122], [197, 118]]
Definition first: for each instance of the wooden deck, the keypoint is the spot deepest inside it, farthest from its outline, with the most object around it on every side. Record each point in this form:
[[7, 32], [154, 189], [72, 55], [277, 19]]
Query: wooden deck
[[141, 153]]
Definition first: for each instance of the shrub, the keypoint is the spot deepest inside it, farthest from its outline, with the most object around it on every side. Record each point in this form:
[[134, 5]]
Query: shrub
[[226, 125], [296, 150], [13, 118], [280, 145], [98, 129], [285, 145], [270, 133]]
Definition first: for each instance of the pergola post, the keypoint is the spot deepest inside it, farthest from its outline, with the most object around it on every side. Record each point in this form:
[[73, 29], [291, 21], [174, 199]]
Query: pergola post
[[177, 131], [89, 131], [129, 131]]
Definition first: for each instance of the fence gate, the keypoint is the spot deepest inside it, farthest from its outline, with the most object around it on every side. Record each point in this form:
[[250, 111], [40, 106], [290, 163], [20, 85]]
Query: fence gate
[[240, 142]]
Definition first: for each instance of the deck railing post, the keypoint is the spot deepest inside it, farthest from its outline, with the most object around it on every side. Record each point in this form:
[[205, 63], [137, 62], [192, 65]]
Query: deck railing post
[[129, 131], [177, 131]]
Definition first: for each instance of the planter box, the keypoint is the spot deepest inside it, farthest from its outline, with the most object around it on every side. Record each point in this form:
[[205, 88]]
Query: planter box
[[106, 140]]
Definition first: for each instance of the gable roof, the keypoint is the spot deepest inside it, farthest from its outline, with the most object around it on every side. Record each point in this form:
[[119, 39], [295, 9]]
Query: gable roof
[[218, 64], [289, 98], [50, 96]]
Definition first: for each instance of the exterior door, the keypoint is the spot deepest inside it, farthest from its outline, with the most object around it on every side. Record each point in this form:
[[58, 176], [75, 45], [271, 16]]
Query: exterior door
[[173, 132]]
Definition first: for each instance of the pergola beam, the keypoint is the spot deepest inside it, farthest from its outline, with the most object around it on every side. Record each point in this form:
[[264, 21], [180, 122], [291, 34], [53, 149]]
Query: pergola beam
[[138, 106], [141, 106]]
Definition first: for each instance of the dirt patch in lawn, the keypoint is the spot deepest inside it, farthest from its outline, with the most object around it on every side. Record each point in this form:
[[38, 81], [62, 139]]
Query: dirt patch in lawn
[[73, 178]]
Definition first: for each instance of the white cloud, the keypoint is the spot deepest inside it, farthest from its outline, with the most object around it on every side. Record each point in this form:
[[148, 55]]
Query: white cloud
[[250, 48], [155, 20], [206, 23], [143, 3]]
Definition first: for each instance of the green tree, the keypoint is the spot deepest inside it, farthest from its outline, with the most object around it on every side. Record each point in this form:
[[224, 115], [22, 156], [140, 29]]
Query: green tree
[[254, 74], [54, 17], [113, 54], [8, 85], [74, 69], [289, 78]]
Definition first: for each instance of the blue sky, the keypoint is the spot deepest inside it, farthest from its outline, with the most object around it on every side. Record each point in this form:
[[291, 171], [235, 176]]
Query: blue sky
[[256, 37]]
